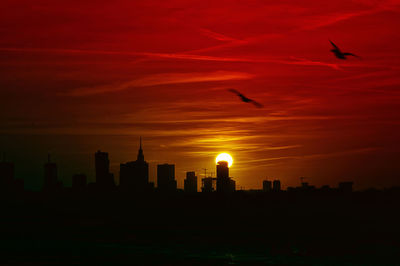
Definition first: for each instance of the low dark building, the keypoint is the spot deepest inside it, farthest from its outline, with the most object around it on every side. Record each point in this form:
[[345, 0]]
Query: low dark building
[[267, 186], [190, 183], [325, 188], [276, 186], [79, 182], [346, 187], [166, 178], [207, 184]]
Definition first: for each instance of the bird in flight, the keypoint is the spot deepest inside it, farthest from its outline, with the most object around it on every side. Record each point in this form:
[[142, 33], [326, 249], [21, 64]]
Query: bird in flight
[[339, 54], [245, 99]]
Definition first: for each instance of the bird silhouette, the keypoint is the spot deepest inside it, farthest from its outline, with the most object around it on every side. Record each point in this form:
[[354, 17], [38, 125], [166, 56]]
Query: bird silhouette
[[245, 99], [339, 54]]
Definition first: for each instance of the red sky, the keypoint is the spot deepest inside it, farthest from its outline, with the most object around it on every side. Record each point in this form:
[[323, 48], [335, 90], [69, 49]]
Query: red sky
[[79, 76]]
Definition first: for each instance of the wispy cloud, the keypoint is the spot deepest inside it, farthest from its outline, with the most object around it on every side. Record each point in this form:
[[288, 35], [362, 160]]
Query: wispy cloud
[[183, 56], [306, 62], [330, 19], [312, 23], [67, 51], [260, 59], [162, 79], [317, 155], [200, 57], [217, 36]]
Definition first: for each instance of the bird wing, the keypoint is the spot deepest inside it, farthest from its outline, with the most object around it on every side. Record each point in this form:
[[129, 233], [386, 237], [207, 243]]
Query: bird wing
[[351, 54], [244, 98], [257, 104], [334, 45], [235, 92]]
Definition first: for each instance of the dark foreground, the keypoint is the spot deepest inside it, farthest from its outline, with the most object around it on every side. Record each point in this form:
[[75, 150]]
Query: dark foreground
[[244, 229]]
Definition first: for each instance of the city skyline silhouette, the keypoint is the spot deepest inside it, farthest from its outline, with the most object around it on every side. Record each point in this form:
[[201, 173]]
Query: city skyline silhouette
[[115, 174], [113, 115], [133, 178], [121, 72], [217, 223]]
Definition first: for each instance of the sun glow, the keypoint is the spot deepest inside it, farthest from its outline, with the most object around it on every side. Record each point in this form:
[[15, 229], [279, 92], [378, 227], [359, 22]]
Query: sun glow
[[224, 157]]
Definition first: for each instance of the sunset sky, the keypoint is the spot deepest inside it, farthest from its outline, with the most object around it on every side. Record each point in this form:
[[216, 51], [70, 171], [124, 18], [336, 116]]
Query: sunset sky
[[78, 76]]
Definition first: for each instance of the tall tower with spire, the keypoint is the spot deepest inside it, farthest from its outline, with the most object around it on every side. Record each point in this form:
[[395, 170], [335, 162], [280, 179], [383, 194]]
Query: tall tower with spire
[[140, 156], [134, 176]]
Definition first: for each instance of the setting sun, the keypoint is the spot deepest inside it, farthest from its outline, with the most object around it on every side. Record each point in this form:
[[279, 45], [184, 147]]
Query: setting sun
[[225, 157]]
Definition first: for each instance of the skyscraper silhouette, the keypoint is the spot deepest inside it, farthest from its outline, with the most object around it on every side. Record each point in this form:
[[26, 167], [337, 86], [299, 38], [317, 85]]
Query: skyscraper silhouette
[[276, 186], [267, 185], [224, 183], [104, 179], [6, 175], [51, 183], [190, 183], [134, 176], [166, 178], [140, 156]]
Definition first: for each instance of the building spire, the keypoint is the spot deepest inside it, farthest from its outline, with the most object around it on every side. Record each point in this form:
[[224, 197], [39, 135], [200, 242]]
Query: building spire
[[140, 156]]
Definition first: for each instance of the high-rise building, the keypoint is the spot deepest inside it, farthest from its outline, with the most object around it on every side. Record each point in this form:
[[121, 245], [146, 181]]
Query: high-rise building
[[8, 182], [6, 175], [104, 179], [134, 176], [276, 186], [267, 185], [224, 183], [190, 183], [51, 182], [166, 177], [222, 169], [140, 156]]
